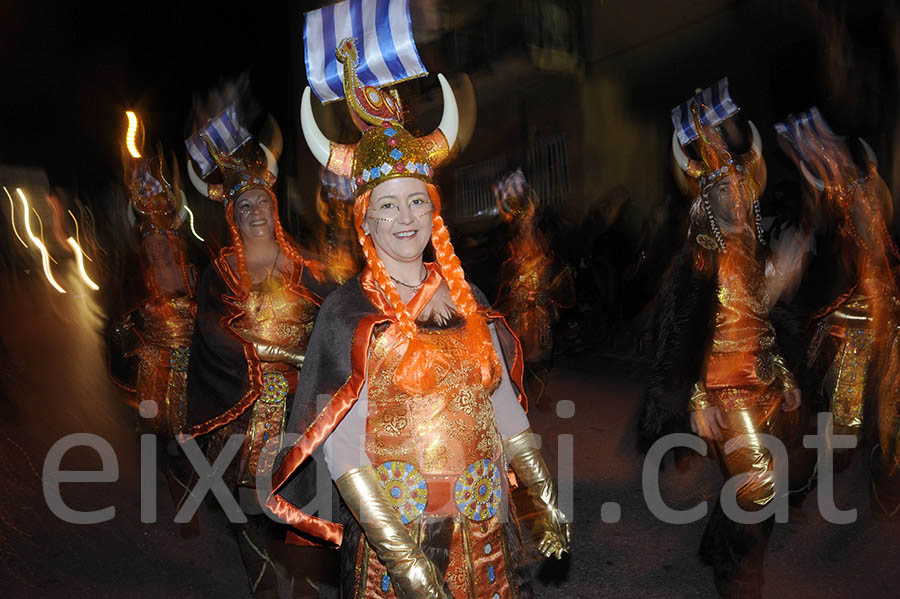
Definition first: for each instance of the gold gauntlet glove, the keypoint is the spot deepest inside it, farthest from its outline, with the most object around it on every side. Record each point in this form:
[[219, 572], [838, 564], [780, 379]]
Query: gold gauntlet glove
[[413, 575], [698, 398], [551, 530], [788, 382], [270, 352]]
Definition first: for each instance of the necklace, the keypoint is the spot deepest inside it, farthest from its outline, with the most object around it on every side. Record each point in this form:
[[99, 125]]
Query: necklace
[[275, 261], [414, 287]]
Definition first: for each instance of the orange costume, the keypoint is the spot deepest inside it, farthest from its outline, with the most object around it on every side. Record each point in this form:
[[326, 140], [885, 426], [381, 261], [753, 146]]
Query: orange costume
[[161, 341], [533, 286], [857, 337], [250, 338], [418, 419], [742, 378]]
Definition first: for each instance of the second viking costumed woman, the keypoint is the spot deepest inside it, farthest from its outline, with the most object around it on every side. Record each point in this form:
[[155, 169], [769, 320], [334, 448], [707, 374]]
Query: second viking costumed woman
[[411, 388], [256, 304]]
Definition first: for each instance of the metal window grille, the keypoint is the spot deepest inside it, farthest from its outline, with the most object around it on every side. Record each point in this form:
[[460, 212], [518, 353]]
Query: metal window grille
[[547, 170]]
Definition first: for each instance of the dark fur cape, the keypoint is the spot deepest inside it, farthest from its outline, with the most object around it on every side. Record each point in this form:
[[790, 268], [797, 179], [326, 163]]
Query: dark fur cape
[[684, 332]]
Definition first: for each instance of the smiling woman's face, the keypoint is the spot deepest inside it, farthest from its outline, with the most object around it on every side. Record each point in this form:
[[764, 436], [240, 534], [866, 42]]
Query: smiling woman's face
[[254, 215], [399, 219]]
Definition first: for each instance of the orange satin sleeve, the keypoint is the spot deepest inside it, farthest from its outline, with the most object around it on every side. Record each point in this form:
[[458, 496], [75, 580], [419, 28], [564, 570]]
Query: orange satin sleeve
[[315, 435]]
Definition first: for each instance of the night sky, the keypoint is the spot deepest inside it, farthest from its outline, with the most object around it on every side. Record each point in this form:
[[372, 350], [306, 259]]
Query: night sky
[[71, 69]]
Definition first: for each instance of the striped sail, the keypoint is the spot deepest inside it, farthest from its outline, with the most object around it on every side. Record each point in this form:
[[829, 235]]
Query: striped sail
[[719, 106], [384, 42], [227, 134]]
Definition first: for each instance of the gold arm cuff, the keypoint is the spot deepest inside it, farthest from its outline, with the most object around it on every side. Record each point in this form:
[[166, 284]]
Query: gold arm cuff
[[412, 574], [698, 400], [788, 382]]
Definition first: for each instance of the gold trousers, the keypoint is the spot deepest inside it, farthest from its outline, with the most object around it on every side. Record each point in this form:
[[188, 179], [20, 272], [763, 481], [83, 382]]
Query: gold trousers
[[752, 457]]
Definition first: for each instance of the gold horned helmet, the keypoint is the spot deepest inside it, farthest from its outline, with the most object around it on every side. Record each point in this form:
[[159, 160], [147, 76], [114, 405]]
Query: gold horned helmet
[[386, 149], [696, 177], [154, 205], [240, 171]]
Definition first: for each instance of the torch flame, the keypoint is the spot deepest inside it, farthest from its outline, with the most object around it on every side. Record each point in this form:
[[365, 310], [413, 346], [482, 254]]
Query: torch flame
[[130, 135]]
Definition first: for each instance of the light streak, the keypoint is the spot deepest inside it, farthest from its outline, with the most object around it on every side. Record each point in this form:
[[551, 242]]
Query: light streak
[[41, 223], [191, 214], [132, 132], [45, 255], [80, 261], [12, 216], [77, 238]]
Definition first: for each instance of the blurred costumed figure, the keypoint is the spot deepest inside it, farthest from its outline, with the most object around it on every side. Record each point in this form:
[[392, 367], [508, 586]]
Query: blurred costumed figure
[[534, 286], [854, 354], [716, 300], [337, 245], [421, 380], [256, 304], [155, 331]]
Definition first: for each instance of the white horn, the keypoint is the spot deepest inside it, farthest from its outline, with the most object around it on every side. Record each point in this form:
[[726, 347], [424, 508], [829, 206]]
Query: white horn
[[183, 213], [449, 125], [811, 179], [870, 153], [271, 161], [756, 146], [318, 144], [197, 182], [681, 158]]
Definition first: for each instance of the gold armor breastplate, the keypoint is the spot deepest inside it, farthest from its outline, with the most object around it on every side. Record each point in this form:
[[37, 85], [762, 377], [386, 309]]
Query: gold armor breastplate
[[441, 433]]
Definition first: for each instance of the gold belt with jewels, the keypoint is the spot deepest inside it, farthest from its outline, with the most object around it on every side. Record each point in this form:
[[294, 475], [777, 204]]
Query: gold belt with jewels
[[476, 493]]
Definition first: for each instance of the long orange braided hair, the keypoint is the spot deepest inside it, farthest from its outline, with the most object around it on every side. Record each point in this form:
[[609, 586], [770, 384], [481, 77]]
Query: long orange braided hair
[[415, 374], [285, 243]]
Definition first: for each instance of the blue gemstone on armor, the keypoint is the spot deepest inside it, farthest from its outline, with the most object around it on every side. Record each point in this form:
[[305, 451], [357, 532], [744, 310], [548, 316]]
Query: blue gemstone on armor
[[390, 132], [491, 573], [385, 583], [265, 437], [487, 548], [396, 154]]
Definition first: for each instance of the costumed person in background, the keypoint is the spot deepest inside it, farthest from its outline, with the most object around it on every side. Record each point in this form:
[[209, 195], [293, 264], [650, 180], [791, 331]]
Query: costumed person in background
[[854, 354], [256, 305], [421, 381], [534, 287], [337, 245], [738, 385], [156, 330]]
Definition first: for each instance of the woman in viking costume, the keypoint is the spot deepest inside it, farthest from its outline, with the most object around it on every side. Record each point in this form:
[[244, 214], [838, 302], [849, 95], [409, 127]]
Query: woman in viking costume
[[411, 388], [854, 355], [157, 329], [256, 304], [741, 385]]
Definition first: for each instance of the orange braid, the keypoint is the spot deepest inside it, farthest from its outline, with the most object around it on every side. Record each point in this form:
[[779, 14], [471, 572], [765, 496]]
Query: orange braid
[[379, 272], [289, 247], [477, 332], [238, 246]]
